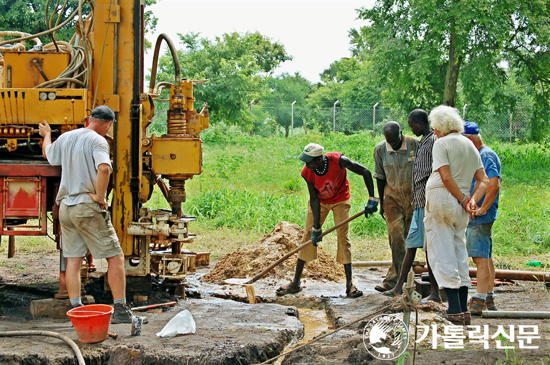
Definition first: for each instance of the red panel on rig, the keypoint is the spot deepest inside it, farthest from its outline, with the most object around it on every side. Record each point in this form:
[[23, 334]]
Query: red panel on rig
[[22, 197]]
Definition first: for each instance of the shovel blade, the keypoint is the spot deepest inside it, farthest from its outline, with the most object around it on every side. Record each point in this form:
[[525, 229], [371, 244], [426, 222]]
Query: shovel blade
[[235, 281]]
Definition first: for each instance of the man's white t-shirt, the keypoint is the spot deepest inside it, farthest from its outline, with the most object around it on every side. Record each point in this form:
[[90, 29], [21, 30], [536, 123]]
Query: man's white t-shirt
[[79, 153], [462, 157]]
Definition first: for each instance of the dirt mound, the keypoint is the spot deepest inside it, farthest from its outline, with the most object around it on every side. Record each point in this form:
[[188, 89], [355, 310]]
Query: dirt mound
[[250, 260]]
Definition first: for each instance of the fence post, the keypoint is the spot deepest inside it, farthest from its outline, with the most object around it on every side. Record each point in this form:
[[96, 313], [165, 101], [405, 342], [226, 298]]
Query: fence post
[[292, 118], [511, 121], [334, 116], [251, 118], [374, 119]]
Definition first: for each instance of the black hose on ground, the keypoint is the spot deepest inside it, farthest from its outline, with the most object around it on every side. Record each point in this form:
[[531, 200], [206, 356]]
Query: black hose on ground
[[70, 342]]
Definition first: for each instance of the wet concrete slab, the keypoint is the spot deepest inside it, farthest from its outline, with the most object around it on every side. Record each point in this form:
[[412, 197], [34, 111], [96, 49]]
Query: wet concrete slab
[[228, 332]]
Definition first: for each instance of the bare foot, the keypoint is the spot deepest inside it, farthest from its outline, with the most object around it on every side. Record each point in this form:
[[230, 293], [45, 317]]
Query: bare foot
[[434, 297]]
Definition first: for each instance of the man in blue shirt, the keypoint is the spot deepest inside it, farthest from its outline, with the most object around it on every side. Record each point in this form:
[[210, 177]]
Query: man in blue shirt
[[479, 238]]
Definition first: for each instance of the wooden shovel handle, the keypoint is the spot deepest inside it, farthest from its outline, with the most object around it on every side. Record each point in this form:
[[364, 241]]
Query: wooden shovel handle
[[270, 267]]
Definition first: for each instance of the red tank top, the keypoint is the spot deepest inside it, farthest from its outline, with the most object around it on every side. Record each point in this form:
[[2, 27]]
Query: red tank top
[[333, 187]]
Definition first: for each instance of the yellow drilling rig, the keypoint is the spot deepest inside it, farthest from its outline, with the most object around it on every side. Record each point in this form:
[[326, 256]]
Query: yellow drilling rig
[[61, 82]]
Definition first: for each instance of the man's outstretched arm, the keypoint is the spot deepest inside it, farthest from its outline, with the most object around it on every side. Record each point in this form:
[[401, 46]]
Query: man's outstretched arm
[[359, 169]]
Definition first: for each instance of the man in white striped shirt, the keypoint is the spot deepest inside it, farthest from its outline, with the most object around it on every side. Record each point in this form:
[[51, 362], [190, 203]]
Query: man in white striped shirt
[[418, 122]]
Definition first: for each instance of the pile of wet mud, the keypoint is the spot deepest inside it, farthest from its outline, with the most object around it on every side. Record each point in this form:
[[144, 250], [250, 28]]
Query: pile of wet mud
[[252, 259]]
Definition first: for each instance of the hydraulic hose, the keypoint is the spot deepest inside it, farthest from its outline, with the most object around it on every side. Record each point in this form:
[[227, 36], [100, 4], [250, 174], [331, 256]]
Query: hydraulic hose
[[156, 59], [69, 342], [46, 32]]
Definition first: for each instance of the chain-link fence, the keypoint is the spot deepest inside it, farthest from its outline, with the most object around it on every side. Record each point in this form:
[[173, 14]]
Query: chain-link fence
[[290, 120], [503, 126]]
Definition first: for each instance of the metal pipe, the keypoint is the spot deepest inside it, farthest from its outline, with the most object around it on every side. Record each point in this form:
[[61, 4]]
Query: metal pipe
[[292, 118], [371, 263], [517, 314], [177, 80], [153, 306], [334, 116], [251, 118], [504, 274]]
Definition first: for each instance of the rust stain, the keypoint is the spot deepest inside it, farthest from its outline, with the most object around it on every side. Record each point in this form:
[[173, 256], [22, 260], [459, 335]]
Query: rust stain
[[26, 197]]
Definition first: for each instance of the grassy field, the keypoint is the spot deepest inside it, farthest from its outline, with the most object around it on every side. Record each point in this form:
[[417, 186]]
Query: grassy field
[[249, 184]]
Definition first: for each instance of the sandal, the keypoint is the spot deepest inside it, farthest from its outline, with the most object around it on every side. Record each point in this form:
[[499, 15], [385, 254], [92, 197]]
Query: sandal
[[389, 293], [91, 268], [290, 288], [382, 288], [353, 292]]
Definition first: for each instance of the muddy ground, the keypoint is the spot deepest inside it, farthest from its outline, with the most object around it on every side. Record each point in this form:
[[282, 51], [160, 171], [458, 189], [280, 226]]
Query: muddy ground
[[230, 331]]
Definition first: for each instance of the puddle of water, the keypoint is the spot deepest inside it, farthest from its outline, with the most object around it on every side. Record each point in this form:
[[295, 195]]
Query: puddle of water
[[315, 322]]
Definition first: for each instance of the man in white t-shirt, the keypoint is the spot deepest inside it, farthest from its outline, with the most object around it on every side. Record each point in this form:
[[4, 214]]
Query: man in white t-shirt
[[83, 155]]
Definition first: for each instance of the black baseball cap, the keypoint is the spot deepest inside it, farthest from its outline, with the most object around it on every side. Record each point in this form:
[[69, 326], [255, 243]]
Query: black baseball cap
[[103, 112]]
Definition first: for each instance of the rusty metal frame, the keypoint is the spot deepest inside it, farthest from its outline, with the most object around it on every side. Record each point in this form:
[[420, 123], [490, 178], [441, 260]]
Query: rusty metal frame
[[19, 171]]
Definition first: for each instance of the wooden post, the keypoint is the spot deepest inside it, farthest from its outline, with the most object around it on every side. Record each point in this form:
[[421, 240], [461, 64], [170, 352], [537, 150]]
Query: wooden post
[[407, 313], [11, 246]]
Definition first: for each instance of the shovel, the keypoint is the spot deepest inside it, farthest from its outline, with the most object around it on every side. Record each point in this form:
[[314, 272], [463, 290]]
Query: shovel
[[247, 282]]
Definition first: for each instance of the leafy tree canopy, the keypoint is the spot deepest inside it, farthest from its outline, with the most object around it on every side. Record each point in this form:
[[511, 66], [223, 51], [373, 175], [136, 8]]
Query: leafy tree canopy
[[236, 65], [420, 47], [36, 16], [349, 80]]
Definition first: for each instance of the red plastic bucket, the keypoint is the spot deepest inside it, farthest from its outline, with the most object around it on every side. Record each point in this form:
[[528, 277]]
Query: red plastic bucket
[[91, 322]]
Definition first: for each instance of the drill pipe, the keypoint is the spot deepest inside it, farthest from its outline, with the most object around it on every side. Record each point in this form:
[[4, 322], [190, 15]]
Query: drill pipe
[[504, 274], [515, 314]]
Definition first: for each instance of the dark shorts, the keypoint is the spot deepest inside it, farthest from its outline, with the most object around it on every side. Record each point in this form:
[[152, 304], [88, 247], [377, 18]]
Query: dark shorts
[[479, 240]]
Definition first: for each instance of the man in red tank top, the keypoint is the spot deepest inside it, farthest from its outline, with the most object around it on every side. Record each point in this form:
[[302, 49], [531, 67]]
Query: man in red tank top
[[328, 187]]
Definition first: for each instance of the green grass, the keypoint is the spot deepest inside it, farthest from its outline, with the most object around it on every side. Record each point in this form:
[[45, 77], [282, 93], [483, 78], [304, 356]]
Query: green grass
[[251, 183]]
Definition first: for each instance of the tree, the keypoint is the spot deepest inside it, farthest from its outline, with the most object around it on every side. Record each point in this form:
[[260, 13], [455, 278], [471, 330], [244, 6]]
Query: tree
[[236, 66], [35, 16], [419, 47], [283, 90]]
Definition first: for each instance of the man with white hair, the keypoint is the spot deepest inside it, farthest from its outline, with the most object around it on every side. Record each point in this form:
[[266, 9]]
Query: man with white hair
[[479, 235], [328, 186]]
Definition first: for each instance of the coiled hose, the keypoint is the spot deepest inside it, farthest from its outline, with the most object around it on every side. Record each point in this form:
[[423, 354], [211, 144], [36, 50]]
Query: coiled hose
[[70, 342]]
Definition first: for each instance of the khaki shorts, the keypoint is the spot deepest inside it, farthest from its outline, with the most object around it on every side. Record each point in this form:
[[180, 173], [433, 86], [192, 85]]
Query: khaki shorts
[[85, 229]]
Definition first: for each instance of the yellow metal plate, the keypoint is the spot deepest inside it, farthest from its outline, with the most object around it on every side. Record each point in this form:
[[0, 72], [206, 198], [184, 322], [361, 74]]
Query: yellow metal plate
[[24, 73], [177, 156]]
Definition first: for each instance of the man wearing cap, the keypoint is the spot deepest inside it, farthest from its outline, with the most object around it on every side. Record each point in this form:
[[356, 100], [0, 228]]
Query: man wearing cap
[[83, 155], [328, 186], [394, 161], [479, 238]]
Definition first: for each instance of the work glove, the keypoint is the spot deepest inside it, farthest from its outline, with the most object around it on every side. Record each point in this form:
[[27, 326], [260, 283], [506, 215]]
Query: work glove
[[314, 236], [371, 207]]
